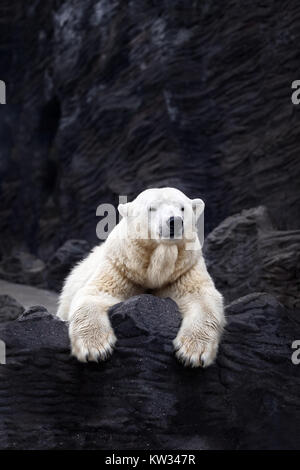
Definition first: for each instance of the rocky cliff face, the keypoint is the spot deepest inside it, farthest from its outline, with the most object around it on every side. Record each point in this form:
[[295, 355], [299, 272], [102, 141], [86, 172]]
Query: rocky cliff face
[[110, 97], [246, 253]]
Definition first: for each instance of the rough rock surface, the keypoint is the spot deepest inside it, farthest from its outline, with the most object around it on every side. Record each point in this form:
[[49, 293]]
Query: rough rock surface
[[142, 398], [24, 268], [246, 253], [106, 97], [29, 295], [10, 308]]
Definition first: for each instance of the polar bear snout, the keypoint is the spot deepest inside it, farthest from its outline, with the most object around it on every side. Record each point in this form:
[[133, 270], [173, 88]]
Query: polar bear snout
[[175, 225], [166, 222]]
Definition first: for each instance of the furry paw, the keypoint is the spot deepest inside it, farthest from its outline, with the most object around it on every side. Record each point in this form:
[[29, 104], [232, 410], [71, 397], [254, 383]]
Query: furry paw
[[92, 345], [195, 352]]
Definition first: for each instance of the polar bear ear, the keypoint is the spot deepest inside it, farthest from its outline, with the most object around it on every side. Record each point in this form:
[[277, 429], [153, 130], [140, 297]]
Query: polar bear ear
[[124, 209], [198, 207]]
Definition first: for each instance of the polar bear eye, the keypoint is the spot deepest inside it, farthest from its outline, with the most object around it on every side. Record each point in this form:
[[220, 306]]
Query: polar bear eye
[[152, 209], [182, 209]]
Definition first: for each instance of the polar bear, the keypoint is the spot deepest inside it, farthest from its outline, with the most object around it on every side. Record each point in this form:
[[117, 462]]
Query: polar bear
[[154, 247]]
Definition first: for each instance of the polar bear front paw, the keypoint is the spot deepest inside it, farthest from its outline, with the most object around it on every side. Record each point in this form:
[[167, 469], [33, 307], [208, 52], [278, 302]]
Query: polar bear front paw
[[195, 352], [92, 346]]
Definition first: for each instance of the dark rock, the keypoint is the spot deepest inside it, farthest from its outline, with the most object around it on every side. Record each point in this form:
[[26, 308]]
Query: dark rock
[[142, 398], [10, 309], [108, 98], [23, 268], [64, 260], [29, 295], [36, 312], [246, 253]]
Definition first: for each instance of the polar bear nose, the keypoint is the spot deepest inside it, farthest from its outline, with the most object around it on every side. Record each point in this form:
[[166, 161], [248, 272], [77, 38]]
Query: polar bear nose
[[174, 223]]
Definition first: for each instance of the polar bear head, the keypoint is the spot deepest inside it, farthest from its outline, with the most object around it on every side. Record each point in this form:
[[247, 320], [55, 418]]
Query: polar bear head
[[162, 214]]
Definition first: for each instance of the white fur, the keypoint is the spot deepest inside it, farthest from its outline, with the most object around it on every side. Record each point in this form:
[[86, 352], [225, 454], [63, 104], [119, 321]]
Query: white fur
[[138, 255]]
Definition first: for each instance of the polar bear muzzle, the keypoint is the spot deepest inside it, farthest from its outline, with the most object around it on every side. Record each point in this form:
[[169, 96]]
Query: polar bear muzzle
[[175, 225]]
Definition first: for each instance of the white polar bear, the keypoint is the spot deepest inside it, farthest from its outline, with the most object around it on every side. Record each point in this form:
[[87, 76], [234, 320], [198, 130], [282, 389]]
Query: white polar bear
[[155, 246]]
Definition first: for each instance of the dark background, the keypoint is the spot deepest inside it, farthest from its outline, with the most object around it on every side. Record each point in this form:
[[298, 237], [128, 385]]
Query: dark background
[[107, 98], [110, 97]]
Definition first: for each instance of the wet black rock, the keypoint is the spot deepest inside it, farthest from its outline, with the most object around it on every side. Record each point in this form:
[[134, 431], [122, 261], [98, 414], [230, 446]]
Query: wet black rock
[[246, 253], [10, 308], [63, 260], [142, 398]]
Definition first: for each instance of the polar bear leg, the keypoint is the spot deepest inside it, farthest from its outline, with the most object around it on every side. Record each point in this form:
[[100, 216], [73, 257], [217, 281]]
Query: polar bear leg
[[197, 341], [91, 335], [77, 278], [198, 338]]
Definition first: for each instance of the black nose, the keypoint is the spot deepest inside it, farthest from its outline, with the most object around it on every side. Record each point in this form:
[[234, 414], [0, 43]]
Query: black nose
[[174, 222]]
